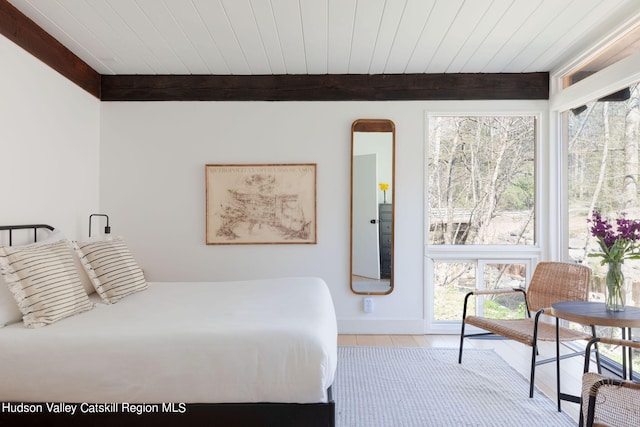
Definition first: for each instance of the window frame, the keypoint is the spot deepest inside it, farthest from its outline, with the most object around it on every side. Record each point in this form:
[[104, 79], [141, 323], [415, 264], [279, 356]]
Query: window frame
[[453, 326], [479, 254], [613, 78]]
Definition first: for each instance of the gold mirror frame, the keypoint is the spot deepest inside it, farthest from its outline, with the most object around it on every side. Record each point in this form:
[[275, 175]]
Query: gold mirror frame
[[367, 284]]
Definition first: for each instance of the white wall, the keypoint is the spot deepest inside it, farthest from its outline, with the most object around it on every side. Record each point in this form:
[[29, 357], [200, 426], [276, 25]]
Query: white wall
[[49, 145], [61, 147], [152, 185]]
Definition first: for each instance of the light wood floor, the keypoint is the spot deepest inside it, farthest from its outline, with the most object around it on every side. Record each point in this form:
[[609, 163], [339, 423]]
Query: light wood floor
[[515, 354]]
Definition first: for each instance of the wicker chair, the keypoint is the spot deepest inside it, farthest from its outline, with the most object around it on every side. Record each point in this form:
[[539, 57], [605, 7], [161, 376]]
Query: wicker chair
[[551, 282], [609, 401]]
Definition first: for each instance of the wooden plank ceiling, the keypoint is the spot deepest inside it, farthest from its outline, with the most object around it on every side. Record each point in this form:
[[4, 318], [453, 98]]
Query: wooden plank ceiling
[[164, 47]]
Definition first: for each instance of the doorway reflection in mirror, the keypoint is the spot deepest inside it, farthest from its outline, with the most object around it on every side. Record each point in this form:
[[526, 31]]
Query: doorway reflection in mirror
[[372, 206]]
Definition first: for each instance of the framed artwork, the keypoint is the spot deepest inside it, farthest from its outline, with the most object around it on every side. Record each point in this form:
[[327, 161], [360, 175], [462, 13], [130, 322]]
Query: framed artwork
[[261, 204]]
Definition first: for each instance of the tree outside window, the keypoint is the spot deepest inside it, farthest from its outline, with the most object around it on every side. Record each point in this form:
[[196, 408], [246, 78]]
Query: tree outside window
[[602, 174], [481, 191], [481, 180]]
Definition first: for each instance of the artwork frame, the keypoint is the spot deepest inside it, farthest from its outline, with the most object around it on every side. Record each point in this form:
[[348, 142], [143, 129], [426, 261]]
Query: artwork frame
[[250, 204]]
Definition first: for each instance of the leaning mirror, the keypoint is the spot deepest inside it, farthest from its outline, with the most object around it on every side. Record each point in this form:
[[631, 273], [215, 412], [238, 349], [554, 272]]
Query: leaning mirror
[[372, 196]]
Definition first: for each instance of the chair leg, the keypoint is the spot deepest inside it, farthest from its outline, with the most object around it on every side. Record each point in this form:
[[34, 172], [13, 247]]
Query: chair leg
[[464, 316], [593, 334], [587, 358], [534, 352], [558, 364], [461, 343]]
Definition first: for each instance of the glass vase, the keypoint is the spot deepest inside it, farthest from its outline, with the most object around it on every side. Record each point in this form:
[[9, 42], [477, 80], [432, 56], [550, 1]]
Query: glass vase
[[615, 292]]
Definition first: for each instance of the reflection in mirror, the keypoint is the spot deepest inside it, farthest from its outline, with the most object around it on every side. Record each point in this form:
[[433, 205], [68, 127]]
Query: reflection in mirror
[[372, 195]]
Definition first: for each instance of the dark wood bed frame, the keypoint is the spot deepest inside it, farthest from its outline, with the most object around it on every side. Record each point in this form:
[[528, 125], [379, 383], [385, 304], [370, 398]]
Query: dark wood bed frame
[[193, 414], [196, 414]]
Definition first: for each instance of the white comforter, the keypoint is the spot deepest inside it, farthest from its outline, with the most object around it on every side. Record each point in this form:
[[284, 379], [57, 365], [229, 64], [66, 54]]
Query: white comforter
[[270, 340]]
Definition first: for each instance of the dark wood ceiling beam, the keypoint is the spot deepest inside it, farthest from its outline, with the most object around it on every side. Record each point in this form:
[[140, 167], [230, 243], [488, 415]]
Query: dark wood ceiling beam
[[342, 87], [21, 30]]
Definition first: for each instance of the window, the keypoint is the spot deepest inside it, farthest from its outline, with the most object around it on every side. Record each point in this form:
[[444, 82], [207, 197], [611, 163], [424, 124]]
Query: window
[[481, 180], [481, 217], [626, 45], [602, 173], [602, 167], [454, 279]]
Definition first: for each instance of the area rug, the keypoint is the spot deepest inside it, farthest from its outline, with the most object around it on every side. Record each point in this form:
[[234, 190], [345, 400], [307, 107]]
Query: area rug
[[421, 387]]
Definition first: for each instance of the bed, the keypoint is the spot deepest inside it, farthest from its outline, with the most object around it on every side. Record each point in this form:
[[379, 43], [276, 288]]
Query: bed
[[255, 353]]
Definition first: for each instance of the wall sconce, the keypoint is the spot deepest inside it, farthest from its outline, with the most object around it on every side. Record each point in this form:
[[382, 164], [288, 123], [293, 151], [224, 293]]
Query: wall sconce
[[107, 229]]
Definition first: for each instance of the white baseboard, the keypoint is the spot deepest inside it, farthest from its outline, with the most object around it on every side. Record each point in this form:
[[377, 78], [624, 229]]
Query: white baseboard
[[381, 326]]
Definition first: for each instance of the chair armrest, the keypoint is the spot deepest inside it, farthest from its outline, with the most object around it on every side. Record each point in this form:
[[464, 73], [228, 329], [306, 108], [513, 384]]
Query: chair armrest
[[478, 292], [495, 291], [617, 382], [605, 340], [616, 341]]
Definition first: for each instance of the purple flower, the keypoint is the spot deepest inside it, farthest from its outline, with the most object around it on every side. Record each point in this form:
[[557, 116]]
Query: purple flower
[[602, 229], [619, 243]]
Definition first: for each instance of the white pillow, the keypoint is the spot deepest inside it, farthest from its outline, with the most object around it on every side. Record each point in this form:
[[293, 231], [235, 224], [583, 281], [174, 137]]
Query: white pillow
[[9, 311], [44, 282], [112, 269], [57, 235]]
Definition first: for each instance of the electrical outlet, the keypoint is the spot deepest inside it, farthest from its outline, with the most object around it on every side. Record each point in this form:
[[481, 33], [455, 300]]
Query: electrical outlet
[[367, 305]]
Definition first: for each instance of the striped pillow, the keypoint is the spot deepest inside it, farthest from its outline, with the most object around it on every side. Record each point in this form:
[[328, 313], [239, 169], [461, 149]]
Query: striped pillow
[[44, 282], [111, 268]]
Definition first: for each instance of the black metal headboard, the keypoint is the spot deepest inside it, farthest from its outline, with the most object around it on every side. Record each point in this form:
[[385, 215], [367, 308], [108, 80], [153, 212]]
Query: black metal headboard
[[35, 228]]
